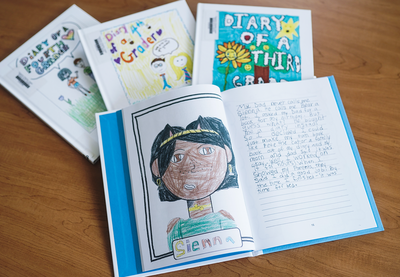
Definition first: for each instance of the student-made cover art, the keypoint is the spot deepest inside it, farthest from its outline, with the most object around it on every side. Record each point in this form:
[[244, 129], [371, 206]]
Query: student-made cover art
[[151, 55], [56, 67], [188, 202], [255, 48], [191, 164]]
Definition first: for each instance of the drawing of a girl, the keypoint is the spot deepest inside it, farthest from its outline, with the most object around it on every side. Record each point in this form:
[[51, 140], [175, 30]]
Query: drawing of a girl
[[66, 74], [191, 164], [182, 65]]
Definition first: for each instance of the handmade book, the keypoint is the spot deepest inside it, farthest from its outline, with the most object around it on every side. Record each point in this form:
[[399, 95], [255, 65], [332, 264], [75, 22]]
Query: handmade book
[[243, 45], [143, 54], [196, 176], [50, 74]]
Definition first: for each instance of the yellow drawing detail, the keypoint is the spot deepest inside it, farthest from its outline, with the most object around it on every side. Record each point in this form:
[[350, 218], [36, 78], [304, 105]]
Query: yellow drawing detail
[[199, 207], [288, 29], [233, 52], [134, 69]]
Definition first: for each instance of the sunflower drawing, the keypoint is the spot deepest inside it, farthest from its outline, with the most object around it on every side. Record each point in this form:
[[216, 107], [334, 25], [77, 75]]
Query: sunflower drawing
[[232, 53]]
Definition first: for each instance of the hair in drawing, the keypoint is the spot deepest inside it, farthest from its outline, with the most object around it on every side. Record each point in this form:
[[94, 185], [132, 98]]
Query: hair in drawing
[[76, 61], [156, 60], [212, 131], [61, 73], [178, 69]]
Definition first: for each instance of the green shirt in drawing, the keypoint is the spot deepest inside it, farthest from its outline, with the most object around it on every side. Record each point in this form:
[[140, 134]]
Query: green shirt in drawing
[[190, 227], [87, 70]]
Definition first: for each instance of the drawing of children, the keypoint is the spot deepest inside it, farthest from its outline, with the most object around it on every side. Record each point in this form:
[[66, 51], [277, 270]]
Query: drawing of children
[[65, 73], [191, 164], [86, 69], [182, 65], [159, 66]]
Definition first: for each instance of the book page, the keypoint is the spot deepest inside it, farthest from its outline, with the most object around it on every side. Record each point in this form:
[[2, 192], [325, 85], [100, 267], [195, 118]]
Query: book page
[[187, 199], [301, 179]]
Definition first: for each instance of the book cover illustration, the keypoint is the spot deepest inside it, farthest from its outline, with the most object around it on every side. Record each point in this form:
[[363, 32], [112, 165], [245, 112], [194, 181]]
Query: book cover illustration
[[151, 55], [190, 164], [255, 48], [56, 67]]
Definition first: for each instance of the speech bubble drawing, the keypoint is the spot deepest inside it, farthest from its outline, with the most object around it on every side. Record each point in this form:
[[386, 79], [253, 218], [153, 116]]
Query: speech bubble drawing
[[165, 46], [47, 50]]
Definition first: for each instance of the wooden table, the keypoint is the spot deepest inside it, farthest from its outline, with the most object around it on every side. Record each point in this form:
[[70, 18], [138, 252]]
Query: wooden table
[[52, 210]]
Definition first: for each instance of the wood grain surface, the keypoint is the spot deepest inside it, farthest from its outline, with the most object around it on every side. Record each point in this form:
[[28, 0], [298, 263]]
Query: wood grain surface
[[52, 210]]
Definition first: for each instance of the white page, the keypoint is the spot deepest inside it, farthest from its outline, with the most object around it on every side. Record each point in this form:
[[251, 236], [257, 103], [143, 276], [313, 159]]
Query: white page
[[301, 179], [259, 30], [143, 122]]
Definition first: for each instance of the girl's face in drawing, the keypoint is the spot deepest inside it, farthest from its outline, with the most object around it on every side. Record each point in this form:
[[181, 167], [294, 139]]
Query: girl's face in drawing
[[180, 61], [196, 170], [66, 75]]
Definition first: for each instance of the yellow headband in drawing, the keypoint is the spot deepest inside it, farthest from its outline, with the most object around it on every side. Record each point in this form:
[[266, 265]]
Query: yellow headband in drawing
[[196, 131]]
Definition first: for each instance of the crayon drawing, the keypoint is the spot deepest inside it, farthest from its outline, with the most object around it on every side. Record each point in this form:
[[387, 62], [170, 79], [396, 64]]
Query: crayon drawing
[[151, 55], [256, 48], [190, 164]]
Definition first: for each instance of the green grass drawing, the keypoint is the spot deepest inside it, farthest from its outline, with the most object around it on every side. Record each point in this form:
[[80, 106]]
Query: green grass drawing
[[84, 110]]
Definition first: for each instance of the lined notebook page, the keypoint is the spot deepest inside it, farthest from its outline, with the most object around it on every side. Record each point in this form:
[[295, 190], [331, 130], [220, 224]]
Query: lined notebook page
[[294, 164], [297, 166]]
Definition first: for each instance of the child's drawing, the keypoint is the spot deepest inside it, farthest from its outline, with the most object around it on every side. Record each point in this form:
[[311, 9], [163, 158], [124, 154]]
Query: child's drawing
[[86, 69], [45, 68], [234, 54], [182, 66], [191, 164], [256, 48], [159, 66], [62, 99], [66, 74], [138, 48]]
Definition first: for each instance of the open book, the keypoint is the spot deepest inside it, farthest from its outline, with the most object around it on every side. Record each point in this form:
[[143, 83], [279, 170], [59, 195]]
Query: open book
[[244, 45], [142, 54], [196, 176], [51, 76]]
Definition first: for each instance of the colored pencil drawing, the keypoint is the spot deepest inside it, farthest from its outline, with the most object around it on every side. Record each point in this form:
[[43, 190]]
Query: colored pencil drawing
[[182, 65], [256, 48], [66, 74], [84, 109], [232, 53], [84, 105], [191, 164], [159, 66], [86, 69], [57, 68], [138, 48]]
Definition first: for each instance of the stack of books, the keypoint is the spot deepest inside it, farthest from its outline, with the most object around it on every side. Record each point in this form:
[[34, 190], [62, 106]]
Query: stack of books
[[216, 140]]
